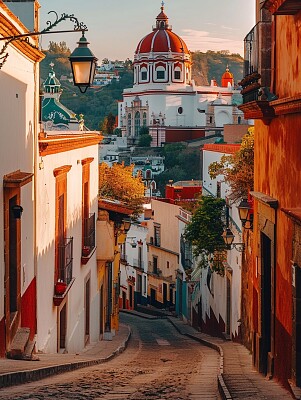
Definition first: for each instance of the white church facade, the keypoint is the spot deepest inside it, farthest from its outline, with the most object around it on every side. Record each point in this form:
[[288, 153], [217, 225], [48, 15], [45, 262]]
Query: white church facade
[[164, 97]]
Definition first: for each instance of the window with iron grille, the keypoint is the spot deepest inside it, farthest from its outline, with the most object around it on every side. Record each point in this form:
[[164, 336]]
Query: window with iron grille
[[65, 260], [157, 235], [89, 231], [155, 265]]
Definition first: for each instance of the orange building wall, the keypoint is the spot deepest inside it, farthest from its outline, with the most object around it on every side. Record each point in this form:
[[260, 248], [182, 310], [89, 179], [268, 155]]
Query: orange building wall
[[288, 30], [277, 173]]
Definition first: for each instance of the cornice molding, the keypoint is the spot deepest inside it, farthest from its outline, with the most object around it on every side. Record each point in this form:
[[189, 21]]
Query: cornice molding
[[87, 160], [7, 28], [61, 170], [60, 144], [283, 7], [287, 105]]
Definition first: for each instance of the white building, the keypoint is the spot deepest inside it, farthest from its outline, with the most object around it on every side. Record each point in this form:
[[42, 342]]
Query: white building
[[133, 268], [48, 269], [221, 295], [165, 98], [19, 102], [67, 207]]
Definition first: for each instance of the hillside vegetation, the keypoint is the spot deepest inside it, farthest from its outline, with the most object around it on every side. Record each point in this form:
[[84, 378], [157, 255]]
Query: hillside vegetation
[[96, 104]]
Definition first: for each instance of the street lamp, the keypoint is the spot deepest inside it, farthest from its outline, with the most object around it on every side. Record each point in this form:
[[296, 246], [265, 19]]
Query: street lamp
[[229, 237], [83, 61], [245, 216], [83, 64]]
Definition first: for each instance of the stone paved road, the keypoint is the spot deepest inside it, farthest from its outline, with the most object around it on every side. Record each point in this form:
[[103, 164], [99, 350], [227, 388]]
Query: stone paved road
[[159, 363]]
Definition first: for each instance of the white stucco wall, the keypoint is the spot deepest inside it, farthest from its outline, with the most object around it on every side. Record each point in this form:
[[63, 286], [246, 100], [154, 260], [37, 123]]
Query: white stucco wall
[[217, 298], [18, 99], [137, 233], [47, 312]]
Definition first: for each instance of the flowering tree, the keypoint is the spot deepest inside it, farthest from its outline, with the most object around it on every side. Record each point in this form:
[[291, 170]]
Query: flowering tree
[[237, 168], [119, 183]]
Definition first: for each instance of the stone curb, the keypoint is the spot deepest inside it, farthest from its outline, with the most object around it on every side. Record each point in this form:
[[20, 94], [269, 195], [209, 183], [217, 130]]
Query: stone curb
[[222, 387], [139, 314], [19, 377]]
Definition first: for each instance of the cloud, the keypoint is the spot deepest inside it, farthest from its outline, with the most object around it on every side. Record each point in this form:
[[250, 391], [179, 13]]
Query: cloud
[[203, 41], [229, 28]]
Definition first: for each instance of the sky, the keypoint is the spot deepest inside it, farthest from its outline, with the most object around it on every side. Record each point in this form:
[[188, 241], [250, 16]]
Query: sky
[[116, 26]]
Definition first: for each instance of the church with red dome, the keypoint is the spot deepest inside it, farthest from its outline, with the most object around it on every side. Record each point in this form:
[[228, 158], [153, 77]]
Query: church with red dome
[[164, 96]]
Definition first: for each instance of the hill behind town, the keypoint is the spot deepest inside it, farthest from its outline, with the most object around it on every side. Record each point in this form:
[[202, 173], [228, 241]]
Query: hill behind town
[[97, 103]]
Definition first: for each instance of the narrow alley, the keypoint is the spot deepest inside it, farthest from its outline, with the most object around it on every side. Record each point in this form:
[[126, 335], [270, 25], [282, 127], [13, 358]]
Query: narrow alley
[[159, 363]]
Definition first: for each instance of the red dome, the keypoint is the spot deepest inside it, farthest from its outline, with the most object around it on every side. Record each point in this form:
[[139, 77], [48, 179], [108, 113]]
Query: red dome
[[227, 78], [162, 39]]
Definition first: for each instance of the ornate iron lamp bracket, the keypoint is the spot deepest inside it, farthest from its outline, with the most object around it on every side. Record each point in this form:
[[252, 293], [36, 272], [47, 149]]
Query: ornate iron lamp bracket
[[78, 27]]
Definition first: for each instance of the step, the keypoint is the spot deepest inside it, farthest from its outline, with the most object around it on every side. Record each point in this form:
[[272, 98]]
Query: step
[[19, 343], [29, 350]]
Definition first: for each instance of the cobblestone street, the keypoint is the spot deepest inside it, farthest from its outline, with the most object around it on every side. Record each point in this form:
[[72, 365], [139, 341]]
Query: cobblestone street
[[159, 363]]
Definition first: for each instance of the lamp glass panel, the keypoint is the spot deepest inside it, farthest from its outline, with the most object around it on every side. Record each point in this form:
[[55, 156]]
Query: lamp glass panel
[[243, 213], [81, 72]]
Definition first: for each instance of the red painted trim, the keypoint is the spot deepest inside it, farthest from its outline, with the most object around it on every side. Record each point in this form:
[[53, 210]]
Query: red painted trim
[[29, 308]]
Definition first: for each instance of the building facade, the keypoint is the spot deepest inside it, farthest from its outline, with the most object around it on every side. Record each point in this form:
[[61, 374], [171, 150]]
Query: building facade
[[19, 102], [275, 278], [165, 98]]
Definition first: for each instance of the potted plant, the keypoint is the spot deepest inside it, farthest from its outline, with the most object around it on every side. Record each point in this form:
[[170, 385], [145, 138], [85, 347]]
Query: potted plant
[[60, 287], [86, 251]]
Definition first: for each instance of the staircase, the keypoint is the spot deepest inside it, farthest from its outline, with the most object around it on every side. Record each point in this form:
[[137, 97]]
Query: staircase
[[22, 348]]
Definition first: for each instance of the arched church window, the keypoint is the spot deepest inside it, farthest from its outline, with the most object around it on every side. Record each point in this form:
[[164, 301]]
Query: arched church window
[[144, 74], [177, 74], [129, 124], [137, 123], [160, 74], [239, 120], [144, 119]]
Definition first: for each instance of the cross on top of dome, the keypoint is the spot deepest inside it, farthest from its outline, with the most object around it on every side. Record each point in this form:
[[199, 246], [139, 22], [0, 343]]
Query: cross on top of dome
[[162, 19]]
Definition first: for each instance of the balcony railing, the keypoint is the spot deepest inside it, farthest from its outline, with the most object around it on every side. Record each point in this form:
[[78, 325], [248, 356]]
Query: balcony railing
[[65, 259], [153, 268], [138, 263], [257, 64], [89, 233]]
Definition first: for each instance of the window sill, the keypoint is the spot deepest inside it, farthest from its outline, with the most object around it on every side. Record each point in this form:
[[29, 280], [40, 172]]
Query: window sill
[[86, 258], [58, 298]]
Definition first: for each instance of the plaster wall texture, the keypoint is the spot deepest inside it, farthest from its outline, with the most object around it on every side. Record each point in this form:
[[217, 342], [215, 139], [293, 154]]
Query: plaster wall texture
[[47, 313], [18, 121]]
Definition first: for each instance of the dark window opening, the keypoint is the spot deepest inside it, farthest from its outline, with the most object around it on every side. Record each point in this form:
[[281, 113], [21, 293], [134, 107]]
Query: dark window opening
[[177, 74], [160, 74]]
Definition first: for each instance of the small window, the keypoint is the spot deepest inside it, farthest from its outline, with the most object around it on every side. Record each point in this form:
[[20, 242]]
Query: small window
[[239, 120], [177, 74], [180, 110], [157, 236], [160, 74], [143, 75]]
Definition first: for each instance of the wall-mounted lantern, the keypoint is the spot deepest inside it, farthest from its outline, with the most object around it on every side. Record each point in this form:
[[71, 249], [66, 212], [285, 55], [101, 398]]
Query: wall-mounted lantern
[[229, 237], [17, 211], [83, 61]]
